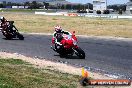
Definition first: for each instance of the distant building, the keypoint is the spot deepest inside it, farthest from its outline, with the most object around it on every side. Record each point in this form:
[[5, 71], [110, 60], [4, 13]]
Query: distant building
[[129, 8], [14, 7], [99, 5]]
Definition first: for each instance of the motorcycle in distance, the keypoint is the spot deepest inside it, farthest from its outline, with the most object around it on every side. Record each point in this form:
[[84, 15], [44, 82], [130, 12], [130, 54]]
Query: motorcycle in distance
[[68, 46], [12, 32]]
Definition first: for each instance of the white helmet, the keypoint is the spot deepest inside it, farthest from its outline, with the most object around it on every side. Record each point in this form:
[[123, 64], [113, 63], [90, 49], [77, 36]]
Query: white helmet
[[2, 18], [58, 29]]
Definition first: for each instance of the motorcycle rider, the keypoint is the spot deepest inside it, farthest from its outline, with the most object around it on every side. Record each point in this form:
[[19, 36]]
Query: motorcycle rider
[[58, 35], [5, 25]]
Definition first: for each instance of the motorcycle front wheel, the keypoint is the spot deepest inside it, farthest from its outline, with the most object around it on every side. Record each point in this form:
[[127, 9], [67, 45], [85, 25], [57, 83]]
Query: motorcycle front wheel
[[80, 53], [20, 36]]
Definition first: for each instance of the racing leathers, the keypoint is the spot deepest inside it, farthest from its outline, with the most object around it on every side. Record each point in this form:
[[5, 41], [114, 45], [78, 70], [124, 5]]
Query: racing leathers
[[57, 37]]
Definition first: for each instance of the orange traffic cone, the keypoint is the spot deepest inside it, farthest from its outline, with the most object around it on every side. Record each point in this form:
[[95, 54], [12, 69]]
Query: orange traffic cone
[[84, 73]]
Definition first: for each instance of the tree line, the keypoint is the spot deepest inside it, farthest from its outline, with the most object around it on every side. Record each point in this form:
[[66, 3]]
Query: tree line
[[117, 7], [37, 5]]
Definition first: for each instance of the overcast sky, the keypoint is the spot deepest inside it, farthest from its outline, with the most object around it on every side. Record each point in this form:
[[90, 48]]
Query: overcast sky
[[108, 1]]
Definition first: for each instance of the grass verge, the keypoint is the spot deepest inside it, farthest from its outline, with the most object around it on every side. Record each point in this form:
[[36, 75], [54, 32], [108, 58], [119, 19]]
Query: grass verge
[[82, 25], [15, 73]]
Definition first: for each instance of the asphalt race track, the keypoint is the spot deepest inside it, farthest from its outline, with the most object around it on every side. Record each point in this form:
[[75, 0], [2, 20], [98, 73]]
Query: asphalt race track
[[106, 56]]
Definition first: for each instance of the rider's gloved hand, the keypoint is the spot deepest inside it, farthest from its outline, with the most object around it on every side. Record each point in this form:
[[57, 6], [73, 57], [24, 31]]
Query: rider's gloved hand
[[59, 43]]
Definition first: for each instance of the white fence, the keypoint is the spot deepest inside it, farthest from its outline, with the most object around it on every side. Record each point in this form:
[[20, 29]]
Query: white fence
[[91, 15], [110, 16], [45, 13]]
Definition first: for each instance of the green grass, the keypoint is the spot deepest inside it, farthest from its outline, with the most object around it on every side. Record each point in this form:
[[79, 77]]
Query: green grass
[[15, 73], [12, 61], [82, 25]]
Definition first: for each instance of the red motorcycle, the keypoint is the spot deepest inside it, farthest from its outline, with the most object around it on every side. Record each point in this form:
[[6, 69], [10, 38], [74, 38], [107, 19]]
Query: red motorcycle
[[68, 46]]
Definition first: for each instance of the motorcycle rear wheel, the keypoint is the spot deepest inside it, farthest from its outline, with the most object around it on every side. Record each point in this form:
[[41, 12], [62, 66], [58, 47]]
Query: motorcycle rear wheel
[[8, 37]]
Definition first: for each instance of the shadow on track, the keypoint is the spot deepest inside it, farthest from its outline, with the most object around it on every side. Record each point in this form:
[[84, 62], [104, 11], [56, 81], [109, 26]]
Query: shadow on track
[[11, 39], [68, 57]]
